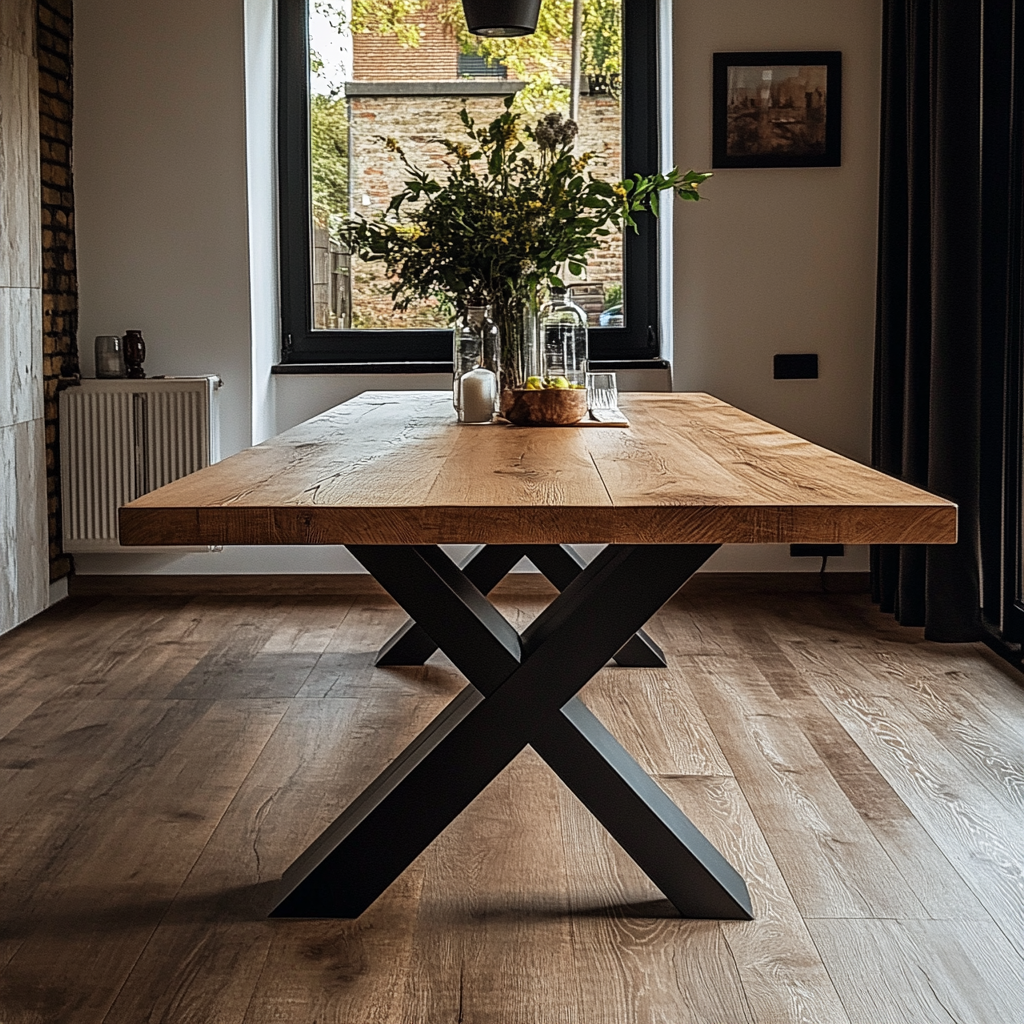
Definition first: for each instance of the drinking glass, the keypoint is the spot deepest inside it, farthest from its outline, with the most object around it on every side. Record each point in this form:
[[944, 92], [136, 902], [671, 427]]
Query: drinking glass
[[109, 356], [602, 391]]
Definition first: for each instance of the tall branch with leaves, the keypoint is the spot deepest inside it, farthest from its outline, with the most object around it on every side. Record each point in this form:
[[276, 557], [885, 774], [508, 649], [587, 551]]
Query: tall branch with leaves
[[516, 207]]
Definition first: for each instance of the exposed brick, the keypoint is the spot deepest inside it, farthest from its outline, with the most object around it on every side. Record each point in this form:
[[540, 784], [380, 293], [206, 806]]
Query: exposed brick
[[54, 174], [55, 63], [60, 283], [58, 109], [62, 7]]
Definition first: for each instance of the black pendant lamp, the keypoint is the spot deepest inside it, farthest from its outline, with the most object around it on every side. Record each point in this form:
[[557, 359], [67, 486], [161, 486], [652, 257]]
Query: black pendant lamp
[[501, 17]]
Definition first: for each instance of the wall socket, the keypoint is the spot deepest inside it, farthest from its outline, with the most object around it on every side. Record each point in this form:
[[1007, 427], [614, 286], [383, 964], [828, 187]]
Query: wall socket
[[798, 366], [817, 550]]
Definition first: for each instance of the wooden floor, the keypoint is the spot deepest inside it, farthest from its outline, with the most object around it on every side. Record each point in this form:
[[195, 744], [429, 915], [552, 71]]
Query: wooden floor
[[163, 759]]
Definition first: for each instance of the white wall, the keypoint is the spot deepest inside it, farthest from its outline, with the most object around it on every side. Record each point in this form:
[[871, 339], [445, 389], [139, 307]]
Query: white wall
[[24, 535], [170, 138], [160, 180], [781, 259]]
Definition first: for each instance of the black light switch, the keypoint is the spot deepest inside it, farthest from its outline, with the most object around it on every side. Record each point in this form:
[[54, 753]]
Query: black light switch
[[797, 367]]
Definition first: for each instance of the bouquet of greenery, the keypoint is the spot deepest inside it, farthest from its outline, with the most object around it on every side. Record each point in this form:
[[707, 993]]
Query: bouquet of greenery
[[506, 221]]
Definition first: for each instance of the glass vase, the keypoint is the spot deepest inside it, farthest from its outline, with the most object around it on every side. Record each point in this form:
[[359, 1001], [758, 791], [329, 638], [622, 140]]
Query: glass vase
[[562, 329], [516, 315], [476, 359]]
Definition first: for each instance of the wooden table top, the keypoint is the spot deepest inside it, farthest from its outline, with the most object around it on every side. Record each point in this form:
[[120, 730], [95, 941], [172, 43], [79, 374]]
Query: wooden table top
[[393, 467]]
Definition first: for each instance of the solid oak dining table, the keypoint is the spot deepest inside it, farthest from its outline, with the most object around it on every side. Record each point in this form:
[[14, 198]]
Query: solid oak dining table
[[391, 476]]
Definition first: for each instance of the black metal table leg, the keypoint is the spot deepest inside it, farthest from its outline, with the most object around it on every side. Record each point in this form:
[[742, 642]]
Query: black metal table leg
[[561, 565], [523, 691], [486, 569]]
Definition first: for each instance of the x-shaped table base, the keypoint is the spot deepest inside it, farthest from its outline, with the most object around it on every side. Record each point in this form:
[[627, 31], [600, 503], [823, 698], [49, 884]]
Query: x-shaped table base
[[485, 569], [523, 691]]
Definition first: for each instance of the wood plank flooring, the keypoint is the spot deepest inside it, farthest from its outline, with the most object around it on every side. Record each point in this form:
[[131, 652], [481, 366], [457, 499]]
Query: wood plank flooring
[[163, 759]]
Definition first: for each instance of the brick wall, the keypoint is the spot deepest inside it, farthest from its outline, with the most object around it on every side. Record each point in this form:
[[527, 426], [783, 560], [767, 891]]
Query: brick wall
[[60, 279], [379, 58], [383, 58]]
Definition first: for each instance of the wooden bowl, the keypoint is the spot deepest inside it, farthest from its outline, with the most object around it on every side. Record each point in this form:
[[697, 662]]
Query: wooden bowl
[[552, 407]]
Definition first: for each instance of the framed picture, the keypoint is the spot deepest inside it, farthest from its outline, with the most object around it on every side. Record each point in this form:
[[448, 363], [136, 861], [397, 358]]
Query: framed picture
[[780, 108]]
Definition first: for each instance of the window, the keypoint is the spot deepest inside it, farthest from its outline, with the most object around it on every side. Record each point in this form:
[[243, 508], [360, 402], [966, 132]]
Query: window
[[344, 85]]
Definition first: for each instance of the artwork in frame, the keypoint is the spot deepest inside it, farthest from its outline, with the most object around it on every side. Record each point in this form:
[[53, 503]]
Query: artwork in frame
[[780, 108]]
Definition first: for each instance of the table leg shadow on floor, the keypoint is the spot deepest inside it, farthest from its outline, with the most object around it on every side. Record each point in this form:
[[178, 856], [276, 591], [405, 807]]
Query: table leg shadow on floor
[[522, 690]]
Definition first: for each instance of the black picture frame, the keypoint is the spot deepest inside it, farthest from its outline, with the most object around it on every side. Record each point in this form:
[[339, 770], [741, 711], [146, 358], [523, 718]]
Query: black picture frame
[[807, 85]]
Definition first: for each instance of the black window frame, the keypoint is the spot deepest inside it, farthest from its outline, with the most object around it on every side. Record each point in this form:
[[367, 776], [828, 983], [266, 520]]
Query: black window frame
[[638, 340]]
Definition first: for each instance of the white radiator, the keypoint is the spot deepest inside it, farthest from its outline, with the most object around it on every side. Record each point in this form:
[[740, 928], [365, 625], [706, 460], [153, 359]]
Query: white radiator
[[120, 439]]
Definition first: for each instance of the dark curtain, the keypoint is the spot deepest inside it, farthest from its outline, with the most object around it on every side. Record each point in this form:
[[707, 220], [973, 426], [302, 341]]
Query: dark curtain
[[942, 278]]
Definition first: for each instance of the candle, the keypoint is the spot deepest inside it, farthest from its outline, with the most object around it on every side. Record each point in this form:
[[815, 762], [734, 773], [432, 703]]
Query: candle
[[479, 390]]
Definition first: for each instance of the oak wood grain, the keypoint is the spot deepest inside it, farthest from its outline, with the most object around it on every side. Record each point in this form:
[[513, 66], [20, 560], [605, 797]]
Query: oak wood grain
[[783, 976], [979, 837], [494, 942], [636, 962], [927, 872], [922, 972], [394, 468], [109, 887], [655, 717], [834, 864], [139, 835]]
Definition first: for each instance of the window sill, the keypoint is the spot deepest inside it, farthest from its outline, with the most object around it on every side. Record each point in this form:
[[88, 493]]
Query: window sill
[[610, 365]]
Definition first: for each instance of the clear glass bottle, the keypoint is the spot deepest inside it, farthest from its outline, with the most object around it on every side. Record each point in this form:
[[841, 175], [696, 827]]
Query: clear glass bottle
[[476, 356], [563, 332]]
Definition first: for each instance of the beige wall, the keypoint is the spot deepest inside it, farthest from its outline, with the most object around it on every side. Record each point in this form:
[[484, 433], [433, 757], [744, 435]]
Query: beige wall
[[24, 565], [781, 259]]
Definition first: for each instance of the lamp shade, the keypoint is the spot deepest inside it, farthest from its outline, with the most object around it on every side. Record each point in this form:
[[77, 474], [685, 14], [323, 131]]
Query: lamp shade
[[501, 17]]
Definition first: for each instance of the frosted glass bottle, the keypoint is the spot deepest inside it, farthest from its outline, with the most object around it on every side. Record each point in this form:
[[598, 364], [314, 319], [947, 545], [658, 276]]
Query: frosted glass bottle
[[563, 333], [475, 357]]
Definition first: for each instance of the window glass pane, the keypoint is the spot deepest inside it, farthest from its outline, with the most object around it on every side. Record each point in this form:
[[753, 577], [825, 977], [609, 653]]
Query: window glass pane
[[403, 69]]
